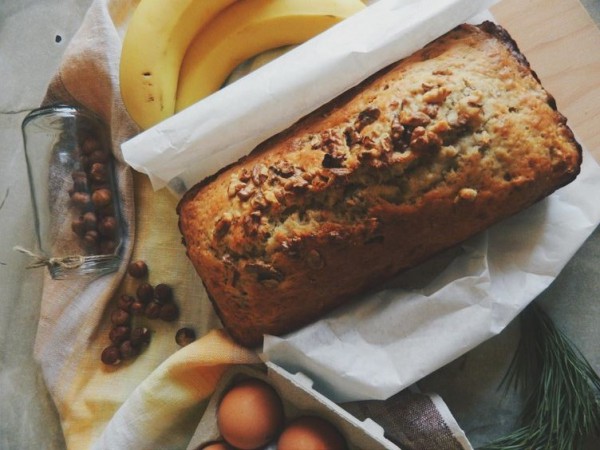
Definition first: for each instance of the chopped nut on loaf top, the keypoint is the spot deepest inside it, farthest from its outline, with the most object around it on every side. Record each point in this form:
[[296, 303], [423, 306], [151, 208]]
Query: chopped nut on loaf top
[[418, 132]]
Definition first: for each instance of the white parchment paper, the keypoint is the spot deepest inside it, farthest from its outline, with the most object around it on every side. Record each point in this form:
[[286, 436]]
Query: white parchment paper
[[429, 316]]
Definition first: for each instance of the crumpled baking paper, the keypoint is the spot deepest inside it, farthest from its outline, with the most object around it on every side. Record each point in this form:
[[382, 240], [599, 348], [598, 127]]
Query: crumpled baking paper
[[429, 316]]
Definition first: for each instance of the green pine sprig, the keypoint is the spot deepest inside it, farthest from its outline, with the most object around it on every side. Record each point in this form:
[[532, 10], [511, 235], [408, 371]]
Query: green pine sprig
[[562, 403]]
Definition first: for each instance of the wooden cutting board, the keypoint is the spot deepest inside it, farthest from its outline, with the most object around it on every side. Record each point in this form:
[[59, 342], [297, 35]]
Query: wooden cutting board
[[562, 44]]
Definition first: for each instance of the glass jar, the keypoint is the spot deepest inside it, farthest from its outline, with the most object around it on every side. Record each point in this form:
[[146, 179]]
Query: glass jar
[[78, 224]]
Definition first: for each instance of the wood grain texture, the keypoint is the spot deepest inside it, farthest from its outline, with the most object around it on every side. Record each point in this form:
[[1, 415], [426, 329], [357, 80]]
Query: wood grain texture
[[562, 43]]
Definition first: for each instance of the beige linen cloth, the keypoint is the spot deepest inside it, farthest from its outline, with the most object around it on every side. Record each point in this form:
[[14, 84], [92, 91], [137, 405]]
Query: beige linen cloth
[[156, 401]]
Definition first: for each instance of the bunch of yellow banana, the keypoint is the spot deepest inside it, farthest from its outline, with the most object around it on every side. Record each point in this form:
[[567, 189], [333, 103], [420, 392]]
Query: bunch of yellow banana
[[177, 52]]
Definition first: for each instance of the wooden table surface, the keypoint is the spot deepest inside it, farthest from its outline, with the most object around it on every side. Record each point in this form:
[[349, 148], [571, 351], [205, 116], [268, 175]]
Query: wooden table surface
[[562, 43]]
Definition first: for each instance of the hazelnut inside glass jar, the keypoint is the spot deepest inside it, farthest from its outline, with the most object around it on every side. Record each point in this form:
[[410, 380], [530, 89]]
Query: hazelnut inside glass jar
[[74, 193]]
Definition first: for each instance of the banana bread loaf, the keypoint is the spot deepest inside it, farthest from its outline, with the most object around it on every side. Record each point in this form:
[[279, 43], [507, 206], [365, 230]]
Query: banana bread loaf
[[418, 158]]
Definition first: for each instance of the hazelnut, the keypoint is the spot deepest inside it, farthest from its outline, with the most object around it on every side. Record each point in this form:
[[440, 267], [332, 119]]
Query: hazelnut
[[138, 308], [128, 350], [89, 145], [120, 317], [169, 312], [163, 293], [137, 269], [99, 173], [111, 356], [78, 226], [108, 226], [152, 310], [90, 221], [80, 183], [145, 292], [125, 301], [78, 176], [101, 197], [118, 334], [81, 199], [107, 246], [140, 336], [185, 336], [91, 238]]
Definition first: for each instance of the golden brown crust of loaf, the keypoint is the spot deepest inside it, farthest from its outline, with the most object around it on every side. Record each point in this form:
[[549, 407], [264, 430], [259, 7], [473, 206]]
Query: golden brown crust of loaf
[[416, 159]]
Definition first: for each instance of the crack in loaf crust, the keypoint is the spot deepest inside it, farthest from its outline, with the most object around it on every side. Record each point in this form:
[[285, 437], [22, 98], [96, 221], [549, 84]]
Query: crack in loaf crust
[[417, 158]]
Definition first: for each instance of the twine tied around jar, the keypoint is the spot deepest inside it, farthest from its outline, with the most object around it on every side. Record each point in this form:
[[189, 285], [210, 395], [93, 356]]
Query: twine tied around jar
[[66, 262], [60, 266]]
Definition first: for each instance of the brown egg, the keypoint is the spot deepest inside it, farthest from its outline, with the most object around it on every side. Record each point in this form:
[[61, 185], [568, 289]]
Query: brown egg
[[250, 415], [310, 433]]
